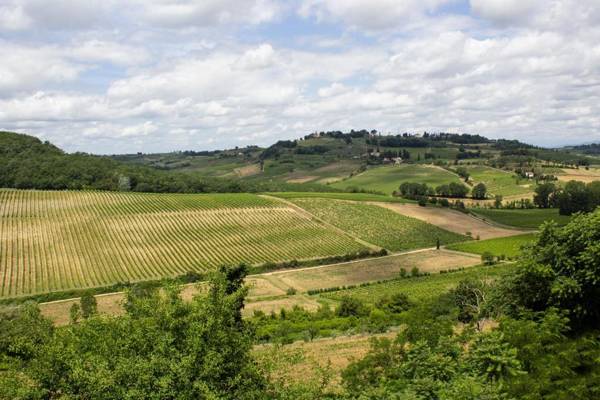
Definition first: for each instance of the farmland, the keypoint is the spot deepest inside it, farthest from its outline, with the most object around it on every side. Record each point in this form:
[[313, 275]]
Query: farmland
[[52, 241], [267, 292], [451, 220], [387, 179], [420, 288], [340, 196], [378, 225], [507, 246], [522, 218], [500, 182]]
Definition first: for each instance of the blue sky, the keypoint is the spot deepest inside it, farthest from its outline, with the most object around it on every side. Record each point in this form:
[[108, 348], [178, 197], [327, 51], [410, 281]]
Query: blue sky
[[120, 76]]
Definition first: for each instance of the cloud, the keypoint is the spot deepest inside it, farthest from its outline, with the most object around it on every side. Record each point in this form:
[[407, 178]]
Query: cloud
[[371, 15], [165, 75], [174, 14], [506, 12]]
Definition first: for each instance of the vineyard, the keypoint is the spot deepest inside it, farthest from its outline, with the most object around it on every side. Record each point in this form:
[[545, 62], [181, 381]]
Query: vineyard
[[423, 287], [51, 241], [378, 225]]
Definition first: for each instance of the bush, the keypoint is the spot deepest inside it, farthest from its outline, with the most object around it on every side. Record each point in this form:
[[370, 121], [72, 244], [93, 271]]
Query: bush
[[291, 291], [487, 258], [414, 272], [350, 307]]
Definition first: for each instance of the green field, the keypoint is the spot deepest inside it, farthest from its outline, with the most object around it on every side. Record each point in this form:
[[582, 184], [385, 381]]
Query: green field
[[388, 179], [421, 288], [340, 196], [508, 246], [51, 241], [378, 225], [500, 182], [522, 218]]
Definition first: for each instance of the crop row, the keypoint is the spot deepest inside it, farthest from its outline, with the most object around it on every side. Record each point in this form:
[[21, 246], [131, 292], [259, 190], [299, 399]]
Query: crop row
[[378, 225], [62, 240], [422, 287]]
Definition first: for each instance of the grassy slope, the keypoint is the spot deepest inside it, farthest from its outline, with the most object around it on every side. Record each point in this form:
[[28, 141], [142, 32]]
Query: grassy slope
[[421, 288], [509, 246], [378, 225], [527, 218], [498, 181], [388, 178]]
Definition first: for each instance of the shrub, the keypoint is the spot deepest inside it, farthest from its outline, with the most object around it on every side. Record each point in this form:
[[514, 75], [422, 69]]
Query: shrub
[[291, 291], [487, 258], [414, 272], [350, 307]]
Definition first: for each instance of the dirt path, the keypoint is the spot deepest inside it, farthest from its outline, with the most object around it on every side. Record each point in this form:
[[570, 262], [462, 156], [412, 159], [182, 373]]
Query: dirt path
[[451, 220]]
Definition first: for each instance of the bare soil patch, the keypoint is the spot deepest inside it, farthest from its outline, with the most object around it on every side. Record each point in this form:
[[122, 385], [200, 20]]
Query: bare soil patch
[[451, 220], [248, 170], [354, 273], [303, 179]]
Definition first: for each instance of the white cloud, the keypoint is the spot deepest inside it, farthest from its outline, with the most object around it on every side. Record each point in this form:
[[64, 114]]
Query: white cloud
[[368, 14], [172, 13], [506, 12], [164, 75], [103, 51]]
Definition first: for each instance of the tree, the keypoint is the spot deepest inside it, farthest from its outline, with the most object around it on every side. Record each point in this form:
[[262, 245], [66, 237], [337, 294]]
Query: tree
[[575, 197], [561, 270], [463, 173], [350, 307], [457, 190], [479, 191], [165, 349], [498, 201], [544, 195], [89, 306]]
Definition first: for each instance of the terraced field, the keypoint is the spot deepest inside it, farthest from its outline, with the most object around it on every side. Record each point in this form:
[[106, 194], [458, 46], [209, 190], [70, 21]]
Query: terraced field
[[387, 179], [52, 241], [378, 225]]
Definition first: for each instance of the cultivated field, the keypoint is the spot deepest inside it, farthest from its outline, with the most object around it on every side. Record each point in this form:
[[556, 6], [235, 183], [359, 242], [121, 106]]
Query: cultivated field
[[581, 174], [357, 272], [52, 241], [340, 196], [451, 220], [500, 182], [507, 246], [299, 359], [388, 179], [522, 218], [421, 288], [268, 291], [378, 225]]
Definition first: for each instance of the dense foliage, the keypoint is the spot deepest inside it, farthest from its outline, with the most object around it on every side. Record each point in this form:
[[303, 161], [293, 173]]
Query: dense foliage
[[163, 348], [28, 163]]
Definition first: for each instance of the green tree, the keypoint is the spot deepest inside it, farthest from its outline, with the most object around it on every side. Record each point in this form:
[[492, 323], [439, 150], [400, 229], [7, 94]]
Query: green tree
[[562, 270], [89, 305], [544, 195], [479, 191]]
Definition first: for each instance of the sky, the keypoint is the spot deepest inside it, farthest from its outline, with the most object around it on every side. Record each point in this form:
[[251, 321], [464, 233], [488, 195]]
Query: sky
[[122, 76]]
